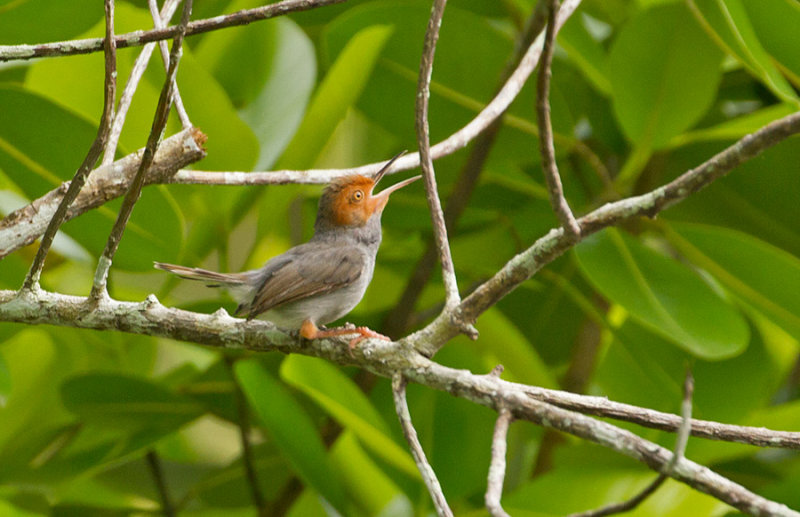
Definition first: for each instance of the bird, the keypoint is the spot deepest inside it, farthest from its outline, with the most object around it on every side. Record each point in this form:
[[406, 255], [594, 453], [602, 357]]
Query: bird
[[322, 280]]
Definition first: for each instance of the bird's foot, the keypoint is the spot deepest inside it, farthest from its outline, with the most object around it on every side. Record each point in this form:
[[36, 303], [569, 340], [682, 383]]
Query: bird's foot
[[309, 330], [365, 333]]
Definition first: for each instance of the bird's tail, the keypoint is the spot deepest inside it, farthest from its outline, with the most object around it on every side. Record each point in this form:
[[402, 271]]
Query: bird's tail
[[212, 278]]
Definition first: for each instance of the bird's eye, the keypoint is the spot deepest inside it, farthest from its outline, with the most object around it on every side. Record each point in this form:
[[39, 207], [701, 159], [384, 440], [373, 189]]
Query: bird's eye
[[358, 195]]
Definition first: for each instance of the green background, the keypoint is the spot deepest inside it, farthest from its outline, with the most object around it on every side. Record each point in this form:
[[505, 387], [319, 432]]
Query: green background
[[642, 91]]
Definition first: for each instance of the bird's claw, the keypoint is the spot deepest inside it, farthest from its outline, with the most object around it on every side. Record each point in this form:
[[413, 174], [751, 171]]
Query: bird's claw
[[365, 333]]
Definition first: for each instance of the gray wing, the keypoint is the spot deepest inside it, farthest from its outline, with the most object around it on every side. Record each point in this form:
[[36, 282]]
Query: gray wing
[[304, 271]]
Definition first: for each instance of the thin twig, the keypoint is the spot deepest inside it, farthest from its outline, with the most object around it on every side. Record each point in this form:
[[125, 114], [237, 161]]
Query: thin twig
[[247, 449], [110, 88], [159, 122], [126, 98], [428, 475], [681, 440], [458, 140], [23, 226], [158, 478], [452, 297], [159, 22], [139, 38], [400, 316], [497, 467], [546, 146]]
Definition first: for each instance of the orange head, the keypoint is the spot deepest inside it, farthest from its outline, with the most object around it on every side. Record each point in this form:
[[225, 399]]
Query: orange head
[[349, 201]]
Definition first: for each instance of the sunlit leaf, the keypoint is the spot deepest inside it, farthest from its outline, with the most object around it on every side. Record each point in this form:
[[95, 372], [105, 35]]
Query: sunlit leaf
[[340, 397], [291, 429], [339, 90], [728, 22]]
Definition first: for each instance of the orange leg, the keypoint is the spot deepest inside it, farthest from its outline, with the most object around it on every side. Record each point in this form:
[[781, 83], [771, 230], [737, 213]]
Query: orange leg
[[309, 330]]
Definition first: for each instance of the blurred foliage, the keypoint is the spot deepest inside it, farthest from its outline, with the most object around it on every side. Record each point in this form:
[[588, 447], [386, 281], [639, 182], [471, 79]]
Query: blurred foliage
[[648, 88]]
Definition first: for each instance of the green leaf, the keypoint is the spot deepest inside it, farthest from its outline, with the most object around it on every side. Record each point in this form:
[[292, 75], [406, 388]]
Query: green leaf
[[338, 92], [34, 21], [664, 73], [358, 469], [338, 395], [240, 60], [775, 23], [119, 401], [292, 78], [257, 64], [735, 128], [36, 164], [73, 83], [29, 154], [510, 347], [581, 488], [467, 43], [663, 294], [728, 23], [585, 52], [761, 275], [291, 428], [5, 381], [31, 360]]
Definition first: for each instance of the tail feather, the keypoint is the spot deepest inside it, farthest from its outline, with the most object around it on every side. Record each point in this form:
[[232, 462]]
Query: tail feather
[[195, 273]]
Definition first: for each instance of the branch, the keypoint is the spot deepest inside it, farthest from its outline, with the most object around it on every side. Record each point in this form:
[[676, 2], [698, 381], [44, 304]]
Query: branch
[[428, 475], [546, 147], [452, 297], [681, 440], [248, 460], [158, 477], [388, 359], [25, 225], [110, 88], [135, 190], [400, 316], [556, 241], [139, 38], [497, 468], [458, 140]]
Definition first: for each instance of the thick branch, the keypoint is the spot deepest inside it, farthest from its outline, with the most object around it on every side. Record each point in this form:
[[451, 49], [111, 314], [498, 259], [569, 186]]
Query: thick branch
[[105, 183], [387, 359], [383, 358], [138, 38]]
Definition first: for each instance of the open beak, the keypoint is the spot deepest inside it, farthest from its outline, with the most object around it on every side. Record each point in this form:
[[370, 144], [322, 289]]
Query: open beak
[[397, 186], [383, 196], [385, 168]]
